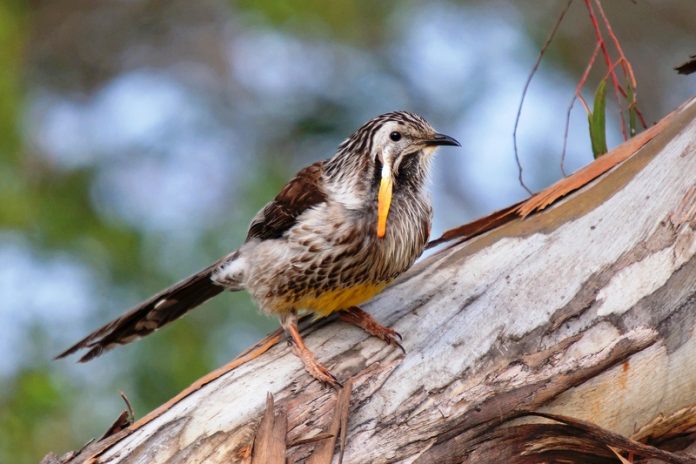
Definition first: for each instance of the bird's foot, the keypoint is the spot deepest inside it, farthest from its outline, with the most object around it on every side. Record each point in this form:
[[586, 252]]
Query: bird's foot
[[314, 367], [311, 365], [369, 324]]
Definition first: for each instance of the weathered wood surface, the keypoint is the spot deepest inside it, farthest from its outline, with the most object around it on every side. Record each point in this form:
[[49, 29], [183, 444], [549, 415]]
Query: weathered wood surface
[[586, 309]]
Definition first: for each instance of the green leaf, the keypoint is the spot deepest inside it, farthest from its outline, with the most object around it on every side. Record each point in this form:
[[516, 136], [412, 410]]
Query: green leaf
[[597, 120], [630, 96]]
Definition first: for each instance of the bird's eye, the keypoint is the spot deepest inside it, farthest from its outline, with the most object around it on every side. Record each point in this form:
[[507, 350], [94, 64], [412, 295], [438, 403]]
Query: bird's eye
[[395, 136]]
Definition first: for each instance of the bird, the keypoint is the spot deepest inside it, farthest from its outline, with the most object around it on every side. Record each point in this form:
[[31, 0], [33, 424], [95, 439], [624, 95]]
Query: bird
[[334, 237]]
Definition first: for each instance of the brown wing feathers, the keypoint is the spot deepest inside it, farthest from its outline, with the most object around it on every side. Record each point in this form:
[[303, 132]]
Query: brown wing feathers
[[158, 310], [298, 195]]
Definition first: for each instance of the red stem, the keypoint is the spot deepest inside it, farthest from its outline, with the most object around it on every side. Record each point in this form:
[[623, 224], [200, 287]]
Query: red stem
[[618, 91], [625, 64]]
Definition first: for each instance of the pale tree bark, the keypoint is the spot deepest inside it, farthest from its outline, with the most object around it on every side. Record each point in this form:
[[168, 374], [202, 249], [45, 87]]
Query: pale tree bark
[[586, 309]]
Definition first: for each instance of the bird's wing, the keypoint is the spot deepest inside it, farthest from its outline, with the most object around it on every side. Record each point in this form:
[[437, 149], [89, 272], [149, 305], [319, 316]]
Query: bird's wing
[[150, 315], [298, 195]]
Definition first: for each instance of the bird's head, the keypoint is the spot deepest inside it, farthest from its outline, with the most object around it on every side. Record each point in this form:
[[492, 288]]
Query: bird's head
[[391, 151]]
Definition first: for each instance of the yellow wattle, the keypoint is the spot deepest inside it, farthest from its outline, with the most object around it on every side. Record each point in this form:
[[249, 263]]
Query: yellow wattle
[[384, 198]]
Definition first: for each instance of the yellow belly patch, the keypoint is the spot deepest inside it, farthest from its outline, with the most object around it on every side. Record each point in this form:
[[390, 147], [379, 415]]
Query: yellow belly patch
[[342, 298]]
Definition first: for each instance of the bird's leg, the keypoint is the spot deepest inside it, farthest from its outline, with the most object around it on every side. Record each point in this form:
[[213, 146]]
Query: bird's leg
[[369, 324], [312, 366]]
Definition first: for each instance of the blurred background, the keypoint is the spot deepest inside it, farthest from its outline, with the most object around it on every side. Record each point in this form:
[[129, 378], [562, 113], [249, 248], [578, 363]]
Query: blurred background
[[138, 138]]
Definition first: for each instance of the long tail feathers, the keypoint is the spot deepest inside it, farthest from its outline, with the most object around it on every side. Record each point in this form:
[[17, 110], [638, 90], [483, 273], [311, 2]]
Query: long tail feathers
[[150, 315]]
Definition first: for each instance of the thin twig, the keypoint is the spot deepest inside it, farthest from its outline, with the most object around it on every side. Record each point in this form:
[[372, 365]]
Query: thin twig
[[526, 87], [625, 64], [627, 68], [576, 96], [618, 90], [583, 78], [565, 134]]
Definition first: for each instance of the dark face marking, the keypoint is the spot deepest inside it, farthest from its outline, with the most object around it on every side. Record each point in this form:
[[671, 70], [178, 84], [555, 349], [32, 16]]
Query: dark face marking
[[408, 170]]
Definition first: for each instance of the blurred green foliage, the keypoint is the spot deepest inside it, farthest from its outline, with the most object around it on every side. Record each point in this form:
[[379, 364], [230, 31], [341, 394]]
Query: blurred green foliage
[[13, 24], [359, 21]]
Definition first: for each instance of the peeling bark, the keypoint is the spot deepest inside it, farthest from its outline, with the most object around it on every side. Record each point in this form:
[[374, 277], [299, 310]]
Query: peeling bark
[[586, 309]]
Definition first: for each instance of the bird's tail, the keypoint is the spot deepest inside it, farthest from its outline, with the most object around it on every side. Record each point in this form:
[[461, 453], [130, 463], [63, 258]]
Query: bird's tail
[[150, 315]]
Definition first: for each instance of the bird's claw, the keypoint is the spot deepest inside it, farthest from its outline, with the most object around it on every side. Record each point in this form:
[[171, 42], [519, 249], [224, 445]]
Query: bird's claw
[[315, 368], [360, 318]]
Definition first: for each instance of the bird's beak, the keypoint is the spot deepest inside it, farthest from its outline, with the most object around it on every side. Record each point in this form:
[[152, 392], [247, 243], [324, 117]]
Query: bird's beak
[[441, 139], [384, 198]]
